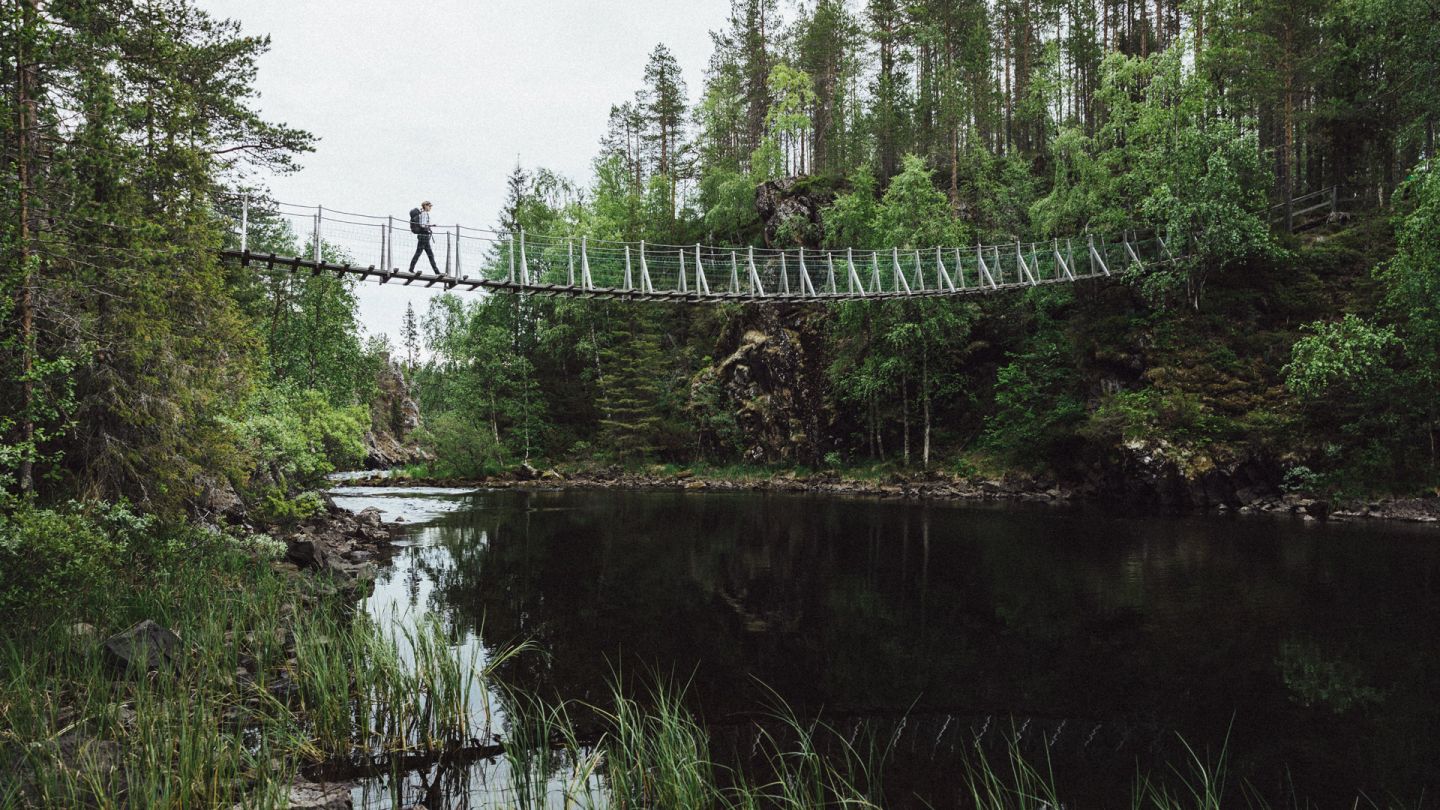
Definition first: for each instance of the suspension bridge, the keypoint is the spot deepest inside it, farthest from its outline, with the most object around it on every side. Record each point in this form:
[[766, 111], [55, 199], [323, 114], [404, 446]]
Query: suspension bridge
[[373, 248]]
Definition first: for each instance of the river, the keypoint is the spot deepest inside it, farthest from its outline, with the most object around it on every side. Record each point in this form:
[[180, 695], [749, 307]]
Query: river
[[1304, 654]]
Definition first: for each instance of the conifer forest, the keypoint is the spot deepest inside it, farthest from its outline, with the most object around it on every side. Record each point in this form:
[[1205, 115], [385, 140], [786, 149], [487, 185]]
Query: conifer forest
[[169, 417]]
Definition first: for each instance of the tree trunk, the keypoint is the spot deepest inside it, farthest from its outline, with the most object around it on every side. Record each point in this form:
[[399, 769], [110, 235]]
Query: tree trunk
[[905, 417], [925, 395], [25, 110], [1288, 153]]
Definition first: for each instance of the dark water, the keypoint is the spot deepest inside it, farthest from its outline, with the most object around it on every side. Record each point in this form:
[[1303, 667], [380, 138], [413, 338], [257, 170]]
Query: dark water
[[1307, 652]]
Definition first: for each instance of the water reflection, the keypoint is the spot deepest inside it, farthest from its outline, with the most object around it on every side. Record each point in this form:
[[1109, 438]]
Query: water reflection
[[1309, 650]]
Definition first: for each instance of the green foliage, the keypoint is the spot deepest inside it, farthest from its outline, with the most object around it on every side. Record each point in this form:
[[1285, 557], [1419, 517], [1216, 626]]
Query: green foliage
[[1372, 385], [463, 448], [72, 555], [1340, 362], [481, 373], [277, 507], [296, 436], [786, 123], [914, 213], [1150, 414], [716, 425], [1037, 404], [850, 219], [145, 111], [1195, 178]]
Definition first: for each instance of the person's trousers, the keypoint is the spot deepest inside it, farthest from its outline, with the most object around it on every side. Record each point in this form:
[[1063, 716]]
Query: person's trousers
[[423, 246]]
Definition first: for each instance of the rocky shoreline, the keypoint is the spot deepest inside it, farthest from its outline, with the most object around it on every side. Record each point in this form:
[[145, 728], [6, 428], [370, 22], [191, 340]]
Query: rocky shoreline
[[938, 487], [343, 550], [332, 559]]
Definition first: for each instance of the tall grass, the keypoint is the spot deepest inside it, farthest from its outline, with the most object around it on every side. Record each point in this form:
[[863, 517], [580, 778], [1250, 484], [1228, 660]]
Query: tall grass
[[271, 675]]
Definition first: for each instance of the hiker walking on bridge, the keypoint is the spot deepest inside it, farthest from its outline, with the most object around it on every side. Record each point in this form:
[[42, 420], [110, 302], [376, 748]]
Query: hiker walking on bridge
[[420, 226]]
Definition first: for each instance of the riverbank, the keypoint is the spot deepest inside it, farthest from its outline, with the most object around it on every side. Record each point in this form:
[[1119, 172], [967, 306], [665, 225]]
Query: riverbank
[[211, 670], [923, 487]]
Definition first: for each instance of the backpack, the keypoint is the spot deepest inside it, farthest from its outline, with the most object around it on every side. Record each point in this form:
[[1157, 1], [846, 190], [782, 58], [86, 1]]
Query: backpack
[[415, 221]]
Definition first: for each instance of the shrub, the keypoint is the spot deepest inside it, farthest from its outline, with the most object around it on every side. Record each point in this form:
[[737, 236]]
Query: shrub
[[52, 558], [463, 448], [300, 437], [1036, 405], [278, 507]]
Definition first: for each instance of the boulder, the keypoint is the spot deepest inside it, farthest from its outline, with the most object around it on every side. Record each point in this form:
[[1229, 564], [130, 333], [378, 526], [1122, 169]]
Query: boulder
[[307, 552], [791, 210], [218, 501], [315, 796], [146, 646]]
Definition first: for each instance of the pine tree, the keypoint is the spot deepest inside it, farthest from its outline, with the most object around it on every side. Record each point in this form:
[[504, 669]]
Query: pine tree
[[410, 336], [665, 109], [147, 111]]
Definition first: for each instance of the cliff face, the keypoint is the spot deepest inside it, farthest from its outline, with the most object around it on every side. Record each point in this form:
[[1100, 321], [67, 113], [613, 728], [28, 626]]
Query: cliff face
[[765, 398], [394, 420]]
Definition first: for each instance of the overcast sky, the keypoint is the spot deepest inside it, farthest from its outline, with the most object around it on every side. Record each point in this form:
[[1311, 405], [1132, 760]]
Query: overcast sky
[[438, 100]]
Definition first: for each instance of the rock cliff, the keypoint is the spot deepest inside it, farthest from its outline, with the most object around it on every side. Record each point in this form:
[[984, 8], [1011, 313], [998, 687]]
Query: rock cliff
[[394, 421]]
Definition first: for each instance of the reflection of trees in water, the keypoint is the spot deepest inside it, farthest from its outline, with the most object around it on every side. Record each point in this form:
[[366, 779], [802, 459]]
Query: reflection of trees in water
[[864, 607]]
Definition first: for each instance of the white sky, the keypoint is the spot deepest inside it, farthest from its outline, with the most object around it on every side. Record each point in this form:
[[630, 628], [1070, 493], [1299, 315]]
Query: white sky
[[438, 99]]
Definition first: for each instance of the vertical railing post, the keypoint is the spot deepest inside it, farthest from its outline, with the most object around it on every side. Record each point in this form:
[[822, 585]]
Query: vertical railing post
[[830, 274], [982, 270], [646, 285], [319, 215], [1022, 268], [734, 272], [510, 276], [447, 252], [683, 285], [756, 288], [245, 223], [784, 275], [701, 285], [807, 286], [920, 273], [854, 274], [585, 278], [382, 266], [629, 276], [959, 269], [1060, 264], [900, 280], [877, 286], [458, 269], [524, 262], [390, 244], [943, 280], [570, 262]]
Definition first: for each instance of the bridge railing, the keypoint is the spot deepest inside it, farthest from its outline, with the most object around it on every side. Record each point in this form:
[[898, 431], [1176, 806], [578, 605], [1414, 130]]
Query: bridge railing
[[383, 246]]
